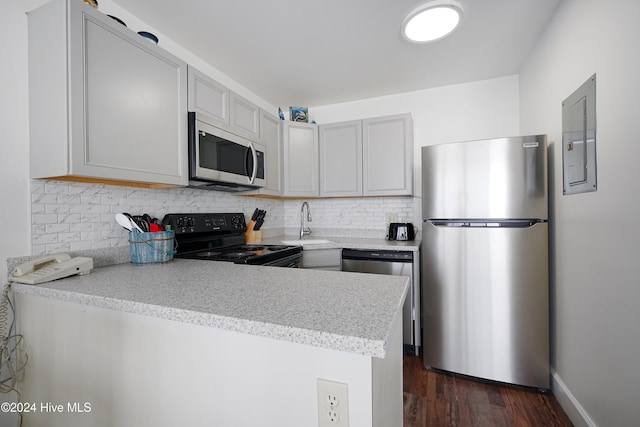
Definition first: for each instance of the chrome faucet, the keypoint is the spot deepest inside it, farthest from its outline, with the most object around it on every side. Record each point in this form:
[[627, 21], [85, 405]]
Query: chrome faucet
[[304, 230]]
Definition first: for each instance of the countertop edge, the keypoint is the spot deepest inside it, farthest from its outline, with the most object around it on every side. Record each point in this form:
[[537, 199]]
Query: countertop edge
[[321, 339]]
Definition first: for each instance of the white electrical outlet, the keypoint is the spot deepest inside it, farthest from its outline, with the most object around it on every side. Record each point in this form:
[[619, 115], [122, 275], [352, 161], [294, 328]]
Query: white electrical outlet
[[333, 404]]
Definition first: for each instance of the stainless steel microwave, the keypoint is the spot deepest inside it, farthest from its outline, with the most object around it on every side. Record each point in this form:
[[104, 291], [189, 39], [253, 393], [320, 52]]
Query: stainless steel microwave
[[221, 160]]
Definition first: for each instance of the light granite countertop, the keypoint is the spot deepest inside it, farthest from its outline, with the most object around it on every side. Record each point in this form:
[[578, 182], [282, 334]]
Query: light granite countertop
[[349, 312], [341, 242]]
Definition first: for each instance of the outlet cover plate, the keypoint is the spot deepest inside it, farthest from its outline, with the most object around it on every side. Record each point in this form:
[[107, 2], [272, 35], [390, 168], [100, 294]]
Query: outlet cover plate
[[333, 403]]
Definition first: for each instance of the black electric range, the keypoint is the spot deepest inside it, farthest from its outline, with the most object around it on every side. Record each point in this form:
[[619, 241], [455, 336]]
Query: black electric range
[[220, 237]]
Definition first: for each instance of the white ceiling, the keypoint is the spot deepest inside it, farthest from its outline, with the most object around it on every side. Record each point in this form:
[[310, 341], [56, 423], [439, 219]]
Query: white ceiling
[[312, 53]]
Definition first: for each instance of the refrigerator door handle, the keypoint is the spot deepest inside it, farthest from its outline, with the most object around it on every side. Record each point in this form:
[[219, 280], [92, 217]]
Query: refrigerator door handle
[[507, 223]]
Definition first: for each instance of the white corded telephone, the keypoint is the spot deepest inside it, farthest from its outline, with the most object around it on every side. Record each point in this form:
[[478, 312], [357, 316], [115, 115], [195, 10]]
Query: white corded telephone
[[50, 267]]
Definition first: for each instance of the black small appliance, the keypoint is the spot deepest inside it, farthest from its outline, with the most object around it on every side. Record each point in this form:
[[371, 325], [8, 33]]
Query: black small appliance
[[401, 231]]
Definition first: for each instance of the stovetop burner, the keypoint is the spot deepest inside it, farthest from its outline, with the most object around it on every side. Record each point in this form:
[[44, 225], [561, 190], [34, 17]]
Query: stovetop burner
[[239, 254], [251, 247], [220, 237], [208, 254]]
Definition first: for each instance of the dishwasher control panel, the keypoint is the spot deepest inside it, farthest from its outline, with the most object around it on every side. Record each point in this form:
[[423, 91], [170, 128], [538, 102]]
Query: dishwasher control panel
[[382, 255]]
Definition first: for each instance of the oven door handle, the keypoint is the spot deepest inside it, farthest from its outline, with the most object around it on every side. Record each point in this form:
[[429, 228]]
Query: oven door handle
[[254, 156]]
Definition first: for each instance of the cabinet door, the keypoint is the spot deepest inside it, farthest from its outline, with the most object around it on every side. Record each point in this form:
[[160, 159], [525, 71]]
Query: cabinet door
[[105, 102], [388, 156], [341, 159], [300, 143], [207, 96], [128, 103], [244, 117], [322, 259], [271, 138]]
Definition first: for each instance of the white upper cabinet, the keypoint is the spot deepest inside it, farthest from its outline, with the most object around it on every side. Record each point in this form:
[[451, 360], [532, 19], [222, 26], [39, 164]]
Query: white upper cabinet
[[371, 157], [388, 156], [244, 117], [341, 159], [207, 96], [271, 138], [300, 145], [104, 102], [229, 110]]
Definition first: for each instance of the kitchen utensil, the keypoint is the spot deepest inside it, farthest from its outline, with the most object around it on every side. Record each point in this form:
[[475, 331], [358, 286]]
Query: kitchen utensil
[[141, 221], [134, 224], [155, 227], [124, 221]]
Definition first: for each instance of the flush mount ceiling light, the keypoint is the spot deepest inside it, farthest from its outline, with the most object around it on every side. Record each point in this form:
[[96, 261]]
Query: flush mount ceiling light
[[431, 21]]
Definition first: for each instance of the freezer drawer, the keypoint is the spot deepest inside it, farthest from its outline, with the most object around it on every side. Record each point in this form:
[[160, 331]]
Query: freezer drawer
[[485, 302]]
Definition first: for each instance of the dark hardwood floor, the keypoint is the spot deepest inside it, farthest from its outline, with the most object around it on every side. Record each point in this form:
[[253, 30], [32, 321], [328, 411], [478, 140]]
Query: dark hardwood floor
[[435, 398]]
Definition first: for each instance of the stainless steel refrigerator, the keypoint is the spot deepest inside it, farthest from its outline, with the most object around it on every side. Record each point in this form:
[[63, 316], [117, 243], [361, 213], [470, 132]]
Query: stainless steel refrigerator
[[485, 271]]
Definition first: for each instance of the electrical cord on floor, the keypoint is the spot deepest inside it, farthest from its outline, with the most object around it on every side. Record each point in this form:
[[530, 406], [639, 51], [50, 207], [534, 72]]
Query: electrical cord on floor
[[10, 366]]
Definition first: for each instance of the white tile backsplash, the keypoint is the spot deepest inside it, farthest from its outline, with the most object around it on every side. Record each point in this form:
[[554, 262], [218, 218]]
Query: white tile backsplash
[[69, 216], [349, 217]]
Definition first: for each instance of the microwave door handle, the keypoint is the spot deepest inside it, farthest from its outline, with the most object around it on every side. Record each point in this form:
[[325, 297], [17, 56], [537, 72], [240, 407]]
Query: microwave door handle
[[254, 156]]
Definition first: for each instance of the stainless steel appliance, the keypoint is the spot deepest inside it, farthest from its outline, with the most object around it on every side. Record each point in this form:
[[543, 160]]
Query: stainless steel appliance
[[220, 237], [221, 160], [397, 263], [485, 288]]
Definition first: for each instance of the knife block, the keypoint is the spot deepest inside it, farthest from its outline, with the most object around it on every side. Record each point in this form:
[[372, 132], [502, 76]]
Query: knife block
[[251, 235]]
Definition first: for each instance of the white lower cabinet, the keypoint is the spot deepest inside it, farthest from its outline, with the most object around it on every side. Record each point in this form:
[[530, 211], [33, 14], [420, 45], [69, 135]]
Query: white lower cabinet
[[322, 259], [300, 168], [105, 103]]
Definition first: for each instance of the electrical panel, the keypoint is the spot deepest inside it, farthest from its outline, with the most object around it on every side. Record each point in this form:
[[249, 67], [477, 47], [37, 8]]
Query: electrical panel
[[579, 139]]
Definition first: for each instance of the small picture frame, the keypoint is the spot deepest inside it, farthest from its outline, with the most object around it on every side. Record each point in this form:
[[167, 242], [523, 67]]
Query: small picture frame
[[299, 114]]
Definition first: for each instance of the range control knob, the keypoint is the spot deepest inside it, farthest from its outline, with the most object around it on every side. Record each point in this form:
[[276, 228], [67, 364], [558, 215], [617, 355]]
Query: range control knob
[[237, 221]]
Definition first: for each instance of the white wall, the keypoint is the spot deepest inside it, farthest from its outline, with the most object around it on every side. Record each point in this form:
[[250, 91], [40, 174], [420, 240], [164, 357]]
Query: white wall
[[14, 154], [595, 244], [14, 133]]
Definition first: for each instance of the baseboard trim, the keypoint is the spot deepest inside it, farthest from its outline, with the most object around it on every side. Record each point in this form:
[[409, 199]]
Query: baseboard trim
[[576, 413]]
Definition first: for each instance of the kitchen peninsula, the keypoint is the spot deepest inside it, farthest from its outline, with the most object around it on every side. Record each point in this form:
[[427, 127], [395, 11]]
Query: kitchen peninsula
[[208, 343]]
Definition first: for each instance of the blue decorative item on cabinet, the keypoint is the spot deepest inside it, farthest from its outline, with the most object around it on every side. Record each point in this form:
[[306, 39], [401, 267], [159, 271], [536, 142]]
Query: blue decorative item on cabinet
[[299, 114]]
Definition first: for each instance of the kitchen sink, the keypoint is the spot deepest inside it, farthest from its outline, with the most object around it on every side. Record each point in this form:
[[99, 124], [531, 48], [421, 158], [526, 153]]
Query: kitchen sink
[[304, 242]]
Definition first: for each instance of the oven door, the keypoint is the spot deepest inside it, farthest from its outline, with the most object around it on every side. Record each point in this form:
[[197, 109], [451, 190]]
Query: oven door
[[217, 155]]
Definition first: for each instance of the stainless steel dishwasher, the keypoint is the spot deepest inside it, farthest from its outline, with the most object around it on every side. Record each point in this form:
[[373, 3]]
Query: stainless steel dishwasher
[[395, 263]]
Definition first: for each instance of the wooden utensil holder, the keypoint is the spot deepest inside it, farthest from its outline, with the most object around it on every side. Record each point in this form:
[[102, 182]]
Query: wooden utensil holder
[[251, 235]]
